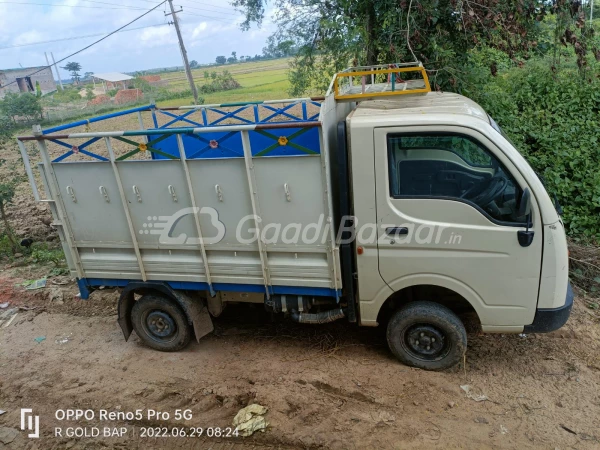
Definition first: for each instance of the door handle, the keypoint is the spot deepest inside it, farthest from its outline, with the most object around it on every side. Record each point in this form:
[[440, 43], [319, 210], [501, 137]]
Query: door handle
[[396, 231]]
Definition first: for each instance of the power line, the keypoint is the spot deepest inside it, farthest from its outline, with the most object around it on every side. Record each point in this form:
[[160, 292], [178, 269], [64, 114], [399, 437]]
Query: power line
[[209, 4], [231, 13], [218, 19], [93, 43], [78, 37], [73, 6], [202, 4], [114, 4], [209, 10]]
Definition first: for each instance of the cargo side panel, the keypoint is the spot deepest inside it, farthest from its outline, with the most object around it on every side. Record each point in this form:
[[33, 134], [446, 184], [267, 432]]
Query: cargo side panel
[[290, 191]]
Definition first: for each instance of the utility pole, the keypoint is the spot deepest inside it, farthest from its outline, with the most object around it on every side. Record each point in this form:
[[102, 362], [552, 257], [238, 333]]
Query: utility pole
[[186, 64], [57, 74], [48, 64]]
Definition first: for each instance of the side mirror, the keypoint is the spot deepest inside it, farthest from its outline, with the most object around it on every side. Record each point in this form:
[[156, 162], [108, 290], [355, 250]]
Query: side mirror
[[525, 237], [525, 203]]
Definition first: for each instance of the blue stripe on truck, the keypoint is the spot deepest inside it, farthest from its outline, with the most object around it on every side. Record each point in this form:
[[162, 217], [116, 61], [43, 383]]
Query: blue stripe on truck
[[86, 286]]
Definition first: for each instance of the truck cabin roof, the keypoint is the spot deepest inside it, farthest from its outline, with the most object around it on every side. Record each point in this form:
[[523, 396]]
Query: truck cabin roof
[[438, 103]]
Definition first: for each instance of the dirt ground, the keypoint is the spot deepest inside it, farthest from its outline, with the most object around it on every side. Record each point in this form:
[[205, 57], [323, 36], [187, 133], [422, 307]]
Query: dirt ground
[[334, 386]]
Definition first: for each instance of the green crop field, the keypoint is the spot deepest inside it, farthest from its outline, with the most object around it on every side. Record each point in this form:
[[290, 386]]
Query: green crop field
[[260, 80]]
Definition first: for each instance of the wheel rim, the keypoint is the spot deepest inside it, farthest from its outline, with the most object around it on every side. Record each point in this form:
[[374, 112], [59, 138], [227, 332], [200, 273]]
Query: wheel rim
[[159, 326], [425, 342]]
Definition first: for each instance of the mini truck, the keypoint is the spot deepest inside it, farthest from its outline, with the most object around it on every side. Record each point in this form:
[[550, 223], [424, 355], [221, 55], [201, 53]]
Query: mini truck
[[382, 203]]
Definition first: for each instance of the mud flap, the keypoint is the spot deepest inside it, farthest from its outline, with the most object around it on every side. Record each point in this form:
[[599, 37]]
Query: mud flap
[[126, 302], [197, 314]]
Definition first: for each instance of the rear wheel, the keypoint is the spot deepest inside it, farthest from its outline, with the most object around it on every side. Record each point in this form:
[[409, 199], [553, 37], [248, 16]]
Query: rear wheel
[[160, 323], [427, 335]]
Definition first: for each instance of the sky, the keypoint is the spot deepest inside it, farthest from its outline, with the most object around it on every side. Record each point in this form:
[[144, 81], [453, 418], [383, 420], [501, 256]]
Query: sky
[[209, 27]]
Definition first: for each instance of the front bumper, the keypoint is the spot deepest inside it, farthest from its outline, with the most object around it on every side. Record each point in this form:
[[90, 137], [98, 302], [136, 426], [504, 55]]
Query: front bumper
[[547, 320]]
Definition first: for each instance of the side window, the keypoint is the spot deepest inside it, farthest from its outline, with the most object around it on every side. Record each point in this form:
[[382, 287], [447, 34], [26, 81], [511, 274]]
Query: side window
[[452, 166]]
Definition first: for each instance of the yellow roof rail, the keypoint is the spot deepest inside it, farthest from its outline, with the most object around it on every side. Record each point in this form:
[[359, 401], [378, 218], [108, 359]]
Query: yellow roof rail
[[362, 83]]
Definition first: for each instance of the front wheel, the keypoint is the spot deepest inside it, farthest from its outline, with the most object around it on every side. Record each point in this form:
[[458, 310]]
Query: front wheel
[[427, 335], [160, 323]]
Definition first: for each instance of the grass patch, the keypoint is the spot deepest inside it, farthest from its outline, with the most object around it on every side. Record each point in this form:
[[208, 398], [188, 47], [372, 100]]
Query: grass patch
[[262, 80], [42, 253], [269, 91], [5, 246]]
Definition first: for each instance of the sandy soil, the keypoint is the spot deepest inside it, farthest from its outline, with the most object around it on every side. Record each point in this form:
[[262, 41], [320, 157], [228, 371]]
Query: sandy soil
[[333, 386]]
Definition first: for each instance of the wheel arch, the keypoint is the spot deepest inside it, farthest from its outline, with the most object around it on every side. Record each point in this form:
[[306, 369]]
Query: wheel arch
[[435, 288], [195, 310]]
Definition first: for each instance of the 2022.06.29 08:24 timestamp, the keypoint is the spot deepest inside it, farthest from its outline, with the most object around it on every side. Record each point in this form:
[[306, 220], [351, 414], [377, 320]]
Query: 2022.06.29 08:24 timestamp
[[190, 432]]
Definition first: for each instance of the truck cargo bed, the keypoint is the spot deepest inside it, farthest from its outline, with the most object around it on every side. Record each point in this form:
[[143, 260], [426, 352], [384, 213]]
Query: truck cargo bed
[[190, 214]]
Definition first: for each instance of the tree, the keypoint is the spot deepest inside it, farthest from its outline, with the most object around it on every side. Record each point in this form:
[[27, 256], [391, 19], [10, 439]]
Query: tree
[[74, 68], [333, 34], [193, 63], [221, 59], [231, 60], [234, 56], [275, 49], [88, 75], [206, 74]]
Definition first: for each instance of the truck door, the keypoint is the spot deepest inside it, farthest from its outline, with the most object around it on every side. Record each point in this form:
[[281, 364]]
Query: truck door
[[447, 215]]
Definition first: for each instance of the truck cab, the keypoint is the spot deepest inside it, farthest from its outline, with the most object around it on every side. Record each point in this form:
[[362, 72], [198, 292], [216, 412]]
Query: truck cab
[[420, 213], [447, 192]]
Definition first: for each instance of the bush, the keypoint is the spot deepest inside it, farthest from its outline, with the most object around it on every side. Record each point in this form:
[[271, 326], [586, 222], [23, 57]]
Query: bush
[[141, 84], [553, 119], [6, 246], [42, 253], [89, 93], [222, 82], [67, 95], [21, 106], [6, 128]]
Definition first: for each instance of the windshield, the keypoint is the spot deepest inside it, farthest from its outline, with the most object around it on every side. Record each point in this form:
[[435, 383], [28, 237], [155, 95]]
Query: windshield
[[496, 127]]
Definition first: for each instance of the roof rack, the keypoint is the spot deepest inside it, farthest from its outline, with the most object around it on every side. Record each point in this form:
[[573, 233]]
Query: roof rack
[[385, 80]]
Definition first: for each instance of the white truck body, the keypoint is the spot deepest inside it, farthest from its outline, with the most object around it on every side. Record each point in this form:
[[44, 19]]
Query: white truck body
[[443, 208]]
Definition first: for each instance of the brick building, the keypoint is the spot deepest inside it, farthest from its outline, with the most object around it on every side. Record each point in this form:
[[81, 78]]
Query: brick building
[[22, 80]]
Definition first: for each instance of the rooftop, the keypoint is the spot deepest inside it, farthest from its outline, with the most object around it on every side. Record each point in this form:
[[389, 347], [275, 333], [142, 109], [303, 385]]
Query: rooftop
[[113, 76], [430, 103], [23, 68]]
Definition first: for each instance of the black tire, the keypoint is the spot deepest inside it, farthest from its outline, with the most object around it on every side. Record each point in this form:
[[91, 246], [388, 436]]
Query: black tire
[[160, 323], [443, 336]]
